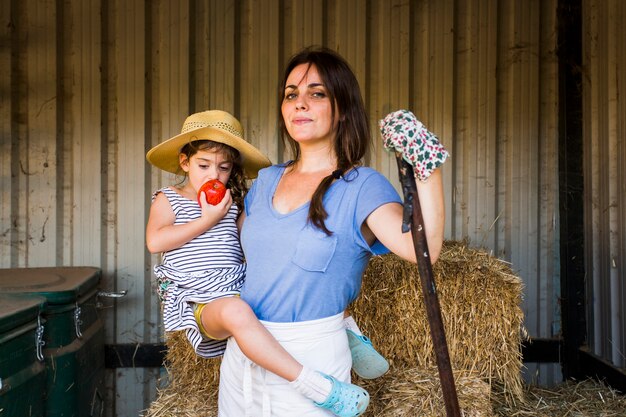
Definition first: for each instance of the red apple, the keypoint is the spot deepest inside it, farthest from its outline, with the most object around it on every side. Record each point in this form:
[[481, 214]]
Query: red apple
[[214, 190]]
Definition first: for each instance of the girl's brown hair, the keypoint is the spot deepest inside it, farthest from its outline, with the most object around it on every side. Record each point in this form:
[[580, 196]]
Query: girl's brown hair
[[237, 181], [353, 133]]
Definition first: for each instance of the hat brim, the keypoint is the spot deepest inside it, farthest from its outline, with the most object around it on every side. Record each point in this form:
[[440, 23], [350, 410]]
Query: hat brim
[[165, 155]]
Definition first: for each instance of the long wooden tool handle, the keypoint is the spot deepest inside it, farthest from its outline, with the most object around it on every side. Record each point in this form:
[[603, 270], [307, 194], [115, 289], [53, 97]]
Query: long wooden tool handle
[[414, 220]]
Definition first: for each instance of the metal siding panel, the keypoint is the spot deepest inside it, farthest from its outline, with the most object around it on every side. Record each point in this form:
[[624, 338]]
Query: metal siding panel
[[170, 41], [69, 115], [620, 250], [347, 33], [220, 65], [424, 51], [548, 271], [168, 96], [389, 72], [6, 109], [434, 82], [212, 58], [82, 159], [259, 74], [482, 104], [548, 242], [39, 165], [475, 113], [131, 386], [130, 131], [527, 177], [441, 70], [612, 237], [590, 126], [601, 269], [167, 106], [462, 142], [522, 132], [108, 146], [431, 79], [110, 231], [303, 25], [604, 178], [593, 178], [347, 30], [617, 316]]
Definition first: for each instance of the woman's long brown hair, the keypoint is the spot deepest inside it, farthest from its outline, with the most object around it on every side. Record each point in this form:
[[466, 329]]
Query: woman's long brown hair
[[353, 133]]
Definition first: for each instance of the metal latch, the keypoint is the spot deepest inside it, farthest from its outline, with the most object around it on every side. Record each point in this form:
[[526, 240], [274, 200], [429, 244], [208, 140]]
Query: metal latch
[[78, 321], [109, 294], [39, 342]]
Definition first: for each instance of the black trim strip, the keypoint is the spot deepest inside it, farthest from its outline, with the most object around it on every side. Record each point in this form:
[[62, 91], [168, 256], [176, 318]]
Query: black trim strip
[[143, 355], [541, 350], [151, 355], [596, 367], [571, 195]]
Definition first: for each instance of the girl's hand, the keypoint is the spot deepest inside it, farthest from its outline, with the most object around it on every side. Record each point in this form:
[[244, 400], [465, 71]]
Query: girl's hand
[[163, 235], [212, 214]]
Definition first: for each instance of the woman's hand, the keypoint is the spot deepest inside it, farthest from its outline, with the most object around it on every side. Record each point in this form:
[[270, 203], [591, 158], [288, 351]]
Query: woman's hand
[[402, 132]]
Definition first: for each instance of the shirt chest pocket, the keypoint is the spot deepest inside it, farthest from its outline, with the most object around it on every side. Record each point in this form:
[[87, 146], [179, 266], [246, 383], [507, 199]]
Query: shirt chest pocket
[[314, 250]]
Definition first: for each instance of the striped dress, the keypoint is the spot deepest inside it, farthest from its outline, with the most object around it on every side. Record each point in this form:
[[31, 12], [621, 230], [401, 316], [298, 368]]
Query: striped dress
[[206, 268]]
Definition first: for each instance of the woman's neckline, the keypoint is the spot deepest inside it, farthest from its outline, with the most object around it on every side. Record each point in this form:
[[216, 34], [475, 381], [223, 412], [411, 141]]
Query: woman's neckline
[[282, 169]]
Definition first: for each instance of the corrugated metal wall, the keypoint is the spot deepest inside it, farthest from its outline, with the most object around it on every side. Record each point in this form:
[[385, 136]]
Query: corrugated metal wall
[[88, 86], [604, 149]]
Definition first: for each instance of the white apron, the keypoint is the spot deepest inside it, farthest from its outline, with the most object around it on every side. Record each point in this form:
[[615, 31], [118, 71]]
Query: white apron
[[247, 390]]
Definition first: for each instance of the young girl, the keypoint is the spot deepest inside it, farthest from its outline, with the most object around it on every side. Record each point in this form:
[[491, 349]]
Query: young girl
[[203, 268]]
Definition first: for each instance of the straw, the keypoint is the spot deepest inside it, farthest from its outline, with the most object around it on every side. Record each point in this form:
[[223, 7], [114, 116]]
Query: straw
[[480, 299]]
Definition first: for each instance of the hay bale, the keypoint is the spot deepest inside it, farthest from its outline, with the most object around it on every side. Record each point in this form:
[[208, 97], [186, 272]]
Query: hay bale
[[480, 299], [417, 392], [192, 382]]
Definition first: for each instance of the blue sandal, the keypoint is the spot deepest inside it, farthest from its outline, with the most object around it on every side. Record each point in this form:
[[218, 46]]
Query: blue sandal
[[345, 400], [366, 361]]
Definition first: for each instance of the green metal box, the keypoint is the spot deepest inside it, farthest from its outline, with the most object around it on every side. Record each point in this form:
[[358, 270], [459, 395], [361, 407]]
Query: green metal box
[[22, 369], [73, 335]]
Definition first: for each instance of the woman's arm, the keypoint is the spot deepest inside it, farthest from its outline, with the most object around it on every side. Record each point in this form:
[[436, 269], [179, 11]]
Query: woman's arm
[[385, 223]]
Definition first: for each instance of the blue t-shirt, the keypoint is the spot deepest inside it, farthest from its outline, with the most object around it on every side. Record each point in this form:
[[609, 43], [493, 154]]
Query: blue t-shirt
[[295, 271]]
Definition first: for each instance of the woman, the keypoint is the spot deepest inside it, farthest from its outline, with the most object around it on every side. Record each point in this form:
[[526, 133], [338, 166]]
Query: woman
[[310, 227]]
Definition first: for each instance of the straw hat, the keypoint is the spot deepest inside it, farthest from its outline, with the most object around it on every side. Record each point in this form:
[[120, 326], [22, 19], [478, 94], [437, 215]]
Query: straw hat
[[215, 125]]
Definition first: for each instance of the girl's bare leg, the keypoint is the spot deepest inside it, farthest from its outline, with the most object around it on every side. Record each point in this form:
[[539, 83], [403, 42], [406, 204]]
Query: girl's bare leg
[[232, 316]]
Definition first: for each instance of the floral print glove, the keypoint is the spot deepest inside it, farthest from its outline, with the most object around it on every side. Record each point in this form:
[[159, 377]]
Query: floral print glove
[[403, 133]]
